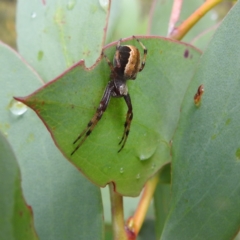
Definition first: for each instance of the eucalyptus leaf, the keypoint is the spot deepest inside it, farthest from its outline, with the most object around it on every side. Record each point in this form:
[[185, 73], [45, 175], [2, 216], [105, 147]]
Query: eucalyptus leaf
[[68, 103], [65, 204], [60, 33], [16, 218], [206, 166]]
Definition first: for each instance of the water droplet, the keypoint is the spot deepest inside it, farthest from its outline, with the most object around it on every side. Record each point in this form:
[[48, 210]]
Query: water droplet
[[104, 4], [214, 16], [147, 153], [153, 166], [17, 108], [147, 146], [33, 15], [138, 176], [71, 4], [121, 170]]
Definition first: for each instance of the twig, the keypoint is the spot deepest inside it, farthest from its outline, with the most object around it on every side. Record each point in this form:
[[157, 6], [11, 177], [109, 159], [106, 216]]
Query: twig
[[135, 222], [176, 10], [179, 33], [117, 214]]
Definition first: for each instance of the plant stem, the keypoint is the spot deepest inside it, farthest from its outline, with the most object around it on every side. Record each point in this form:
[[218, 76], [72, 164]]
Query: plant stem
[[117, 214], [179, 32], [176, 10], [135, 222]]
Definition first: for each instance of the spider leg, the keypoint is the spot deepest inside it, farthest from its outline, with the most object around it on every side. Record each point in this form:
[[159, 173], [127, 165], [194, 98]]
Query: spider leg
[[127, 124], [117, 55], [108, 61], [144, 54], [97, 116]]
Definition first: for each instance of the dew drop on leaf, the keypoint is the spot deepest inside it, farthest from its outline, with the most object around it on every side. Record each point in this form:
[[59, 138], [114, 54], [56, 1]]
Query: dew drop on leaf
[[33, 15], [147, 146], [121, 170], [17, 108], [147, 152]]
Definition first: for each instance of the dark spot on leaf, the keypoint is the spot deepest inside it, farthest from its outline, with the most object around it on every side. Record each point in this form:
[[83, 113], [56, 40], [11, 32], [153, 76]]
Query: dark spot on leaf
[[198, 95], [43, 102], [186, 53], [72, 106], [30, 208], [20, 213]]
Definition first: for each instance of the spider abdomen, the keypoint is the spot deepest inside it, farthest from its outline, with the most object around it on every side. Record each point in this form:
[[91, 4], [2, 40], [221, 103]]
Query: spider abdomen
[[132, 67], [129, 61]]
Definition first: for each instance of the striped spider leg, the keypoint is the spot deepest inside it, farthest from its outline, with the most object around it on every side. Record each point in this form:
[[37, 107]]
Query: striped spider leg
[[126, 65]]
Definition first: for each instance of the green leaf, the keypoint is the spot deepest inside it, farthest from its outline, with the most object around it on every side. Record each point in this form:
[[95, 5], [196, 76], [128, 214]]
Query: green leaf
[[65, 204], [206, 161], [16, 220], [67, 104], [121, 12], [60, 33], [162, 197], [160, 17]]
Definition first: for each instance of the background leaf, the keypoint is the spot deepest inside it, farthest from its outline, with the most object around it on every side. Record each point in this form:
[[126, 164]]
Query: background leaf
[[199, 35], [58, 33], [121, 12], [148, 147], [16, 220], [65, 204], [162, 198], [206, 165]]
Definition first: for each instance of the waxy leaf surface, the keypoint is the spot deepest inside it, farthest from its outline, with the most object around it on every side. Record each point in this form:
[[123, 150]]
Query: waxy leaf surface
[[16, 219], [64, 203], [206, 147], [53, 35], [68, 103]]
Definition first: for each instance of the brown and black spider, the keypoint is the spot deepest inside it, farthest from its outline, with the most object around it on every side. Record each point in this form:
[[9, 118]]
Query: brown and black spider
[[126, 65]]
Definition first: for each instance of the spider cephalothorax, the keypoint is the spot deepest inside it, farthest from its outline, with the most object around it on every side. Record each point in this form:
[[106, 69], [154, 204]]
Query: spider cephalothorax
[[126, 65]]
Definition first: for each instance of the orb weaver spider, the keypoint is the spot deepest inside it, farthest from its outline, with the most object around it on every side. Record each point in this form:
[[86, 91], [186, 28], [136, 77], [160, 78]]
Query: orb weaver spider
[[126, 65]]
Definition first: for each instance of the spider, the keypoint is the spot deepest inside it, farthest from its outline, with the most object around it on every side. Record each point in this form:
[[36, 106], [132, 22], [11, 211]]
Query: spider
[[126, 65]]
